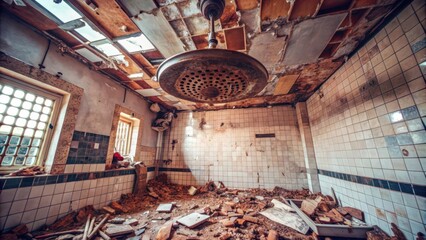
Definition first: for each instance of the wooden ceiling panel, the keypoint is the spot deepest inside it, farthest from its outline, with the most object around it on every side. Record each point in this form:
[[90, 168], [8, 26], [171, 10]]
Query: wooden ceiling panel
[[284, 84], [153, 55], [109, 16], [331, 6], [130, 67], [142, 60], [143, 84], [247, 4], [272, 10], [229, 16], [235, 38], [364, 3], [303, 9], [201, 41]]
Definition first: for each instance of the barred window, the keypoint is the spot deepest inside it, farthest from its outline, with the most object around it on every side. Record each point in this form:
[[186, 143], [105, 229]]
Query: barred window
[[124, 136], [27, 116]]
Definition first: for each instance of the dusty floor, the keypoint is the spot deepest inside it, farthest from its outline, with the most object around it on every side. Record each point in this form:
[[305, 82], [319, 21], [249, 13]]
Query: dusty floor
[[234, 214], [247, 201]]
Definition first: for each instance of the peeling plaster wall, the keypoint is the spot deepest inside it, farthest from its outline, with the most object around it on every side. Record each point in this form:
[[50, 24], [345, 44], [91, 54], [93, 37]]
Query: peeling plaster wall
[[221, 146], [100, 93], [40, 200], [368, 125]]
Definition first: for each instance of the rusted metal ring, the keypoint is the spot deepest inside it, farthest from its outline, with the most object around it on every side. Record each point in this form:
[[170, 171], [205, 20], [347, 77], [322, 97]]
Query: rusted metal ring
[[212, 76]]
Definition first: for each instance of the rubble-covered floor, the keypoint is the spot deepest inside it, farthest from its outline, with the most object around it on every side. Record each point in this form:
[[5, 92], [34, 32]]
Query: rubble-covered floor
[[232, 214]]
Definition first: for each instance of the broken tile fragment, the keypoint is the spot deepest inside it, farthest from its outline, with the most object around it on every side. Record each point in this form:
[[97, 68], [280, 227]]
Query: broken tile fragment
[[118, 230], [194, 219], [165, 207]]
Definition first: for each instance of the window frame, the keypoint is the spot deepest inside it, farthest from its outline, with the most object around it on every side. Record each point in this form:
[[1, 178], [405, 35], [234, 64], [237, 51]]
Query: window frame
[[128, 144], [53, 120]]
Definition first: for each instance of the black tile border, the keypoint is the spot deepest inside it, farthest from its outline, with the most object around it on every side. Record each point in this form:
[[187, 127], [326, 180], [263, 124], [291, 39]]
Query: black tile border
[[165, 169], [20, 182], [409, 188], [265, 135]]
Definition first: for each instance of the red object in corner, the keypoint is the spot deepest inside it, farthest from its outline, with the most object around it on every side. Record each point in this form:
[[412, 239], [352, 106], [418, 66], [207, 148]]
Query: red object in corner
[[117, 157]]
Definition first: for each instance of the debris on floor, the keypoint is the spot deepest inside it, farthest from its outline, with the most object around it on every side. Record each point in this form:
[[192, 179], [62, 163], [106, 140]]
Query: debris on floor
[[165, 207], [282, 213], [193, 220], [213, 212], [28, 171], [324, 210]]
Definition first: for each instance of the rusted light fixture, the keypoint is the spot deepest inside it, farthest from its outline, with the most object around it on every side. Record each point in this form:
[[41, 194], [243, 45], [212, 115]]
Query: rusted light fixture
[[212, 75]]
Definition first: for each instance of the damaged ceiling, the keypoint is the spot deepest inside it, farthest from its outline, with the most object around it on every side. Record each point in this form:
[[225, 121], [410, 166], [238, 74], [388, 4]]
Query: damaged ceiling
[[301, 43]]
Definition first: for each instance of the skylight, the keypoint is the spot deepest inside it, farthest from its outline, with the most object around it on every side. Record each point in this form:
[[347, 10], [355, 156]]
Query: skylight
[[136, 44], [62, 10], [108, 49], [89, 33]]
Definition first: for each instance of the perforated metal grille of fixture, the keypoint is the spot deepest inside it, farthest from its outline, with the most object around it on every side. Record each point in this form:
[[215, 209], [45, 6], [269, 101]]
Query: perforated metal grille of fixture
[[212, 84], [212, 76]]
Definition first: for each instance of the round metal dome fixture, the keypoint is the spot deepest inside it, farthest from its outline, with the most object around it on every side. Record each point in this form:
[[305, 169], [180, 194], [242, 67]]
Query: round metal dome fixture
[[212, 75]]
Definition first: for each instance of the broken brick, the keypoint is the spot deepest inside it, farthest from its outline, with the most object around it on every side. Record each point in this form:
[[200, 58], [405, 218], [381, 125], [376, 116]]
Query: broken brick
[[227, 223], [251, 219]]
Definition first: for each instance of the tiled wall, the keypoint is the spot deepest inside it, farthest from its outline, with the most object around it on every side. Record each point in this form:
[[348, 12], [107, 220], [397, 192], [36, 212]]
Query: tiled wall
[[88, 148], [40, 200], [368, 120], [88, 152], [222, 146]]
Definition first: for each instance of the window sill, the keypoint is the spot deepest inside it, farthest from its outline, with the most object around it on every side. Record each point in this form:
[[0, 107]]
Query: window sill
[[7, 182]]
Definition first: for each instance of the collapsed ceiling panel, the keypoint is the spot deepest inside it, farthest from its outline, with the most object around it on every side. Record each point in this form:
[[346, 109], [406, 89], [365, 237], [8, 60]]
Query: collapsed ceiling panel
[[267, 48], [165, 39], [310, 37], [301, 42], [109, 16], [134, 7]]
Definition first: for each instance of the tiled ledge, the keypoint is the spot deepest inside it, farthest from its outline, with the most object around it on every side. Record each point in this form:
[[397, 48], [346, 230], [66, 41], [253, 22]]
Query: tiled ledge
[[46, 179], [409, 188]]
